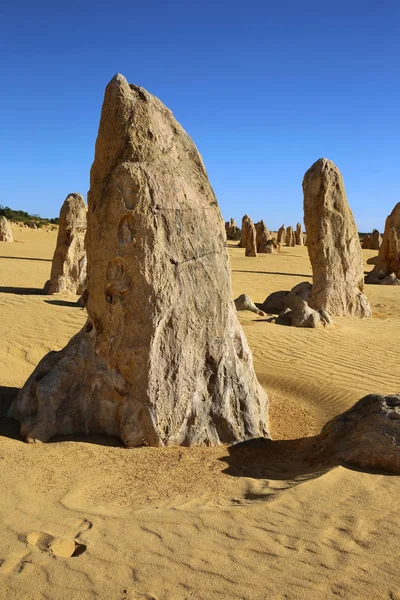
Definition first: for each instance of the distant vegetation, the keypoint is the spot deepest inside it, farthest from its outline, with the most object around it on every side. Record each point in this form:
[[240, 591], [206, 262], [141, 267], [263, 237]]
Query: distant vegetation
[[20, 216]]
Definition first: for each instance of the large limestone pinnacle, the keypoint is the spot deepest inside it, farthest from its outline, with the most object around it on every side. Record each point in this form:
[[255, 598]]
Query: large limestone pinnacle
[[68, 269], [162, 359], [333, 244]]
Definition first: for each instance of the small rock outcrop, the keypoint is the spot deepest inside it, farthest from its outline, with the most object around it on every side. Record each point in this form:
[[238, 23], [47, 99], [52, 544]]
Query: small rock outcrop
[[372, 241], [68, 269], [249, 237], [388, 260], [333, 244], [6, 234], [281, 236], [162, 359], [232, 230], [272, 246], [299, 235], [262, 237], [244, 302], [290, 237]]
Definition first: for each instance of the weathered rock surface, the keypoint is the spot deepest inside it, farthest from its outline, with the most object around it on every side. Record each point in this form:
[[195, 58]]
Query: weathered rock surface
[[68, 269], [299, 235], [372, 241], [292, 306], [388, 260], [6, 234], [272, 246], [333, 244], [162, 359], [290, 237], [244, 302], [281, 237], [232, 230], [262, 237], [249, 236], [367, 436]]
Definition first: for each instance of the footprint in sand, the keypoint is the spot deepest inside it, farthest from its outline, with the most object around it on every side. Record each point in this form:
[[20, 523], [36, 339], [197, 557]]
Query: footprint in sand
[[55, 546]]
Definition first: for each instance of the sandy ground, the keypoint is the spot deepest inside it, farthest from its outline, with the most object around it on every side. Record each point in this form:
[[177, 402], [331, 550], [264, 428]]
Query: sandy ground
[[199, 523]]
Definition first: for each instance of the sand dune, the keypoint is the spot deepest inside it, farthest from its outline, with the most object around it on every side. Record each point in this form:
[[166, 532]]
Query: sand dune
[[253, 522]]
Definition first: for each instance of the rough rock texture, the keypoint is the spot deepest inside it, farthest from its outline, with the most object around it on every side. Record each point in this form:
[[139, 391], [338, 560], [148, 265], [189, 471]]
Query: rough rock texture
[[232, 230], [388, 260], [290, 236], [244, 302], [68, 269], [299, 235], [6, 234], [372, 241], [281, 235], [367, 436], [272, 246], [333, 244], [162, 359], [301, 315], [249, 236], [262, 237]]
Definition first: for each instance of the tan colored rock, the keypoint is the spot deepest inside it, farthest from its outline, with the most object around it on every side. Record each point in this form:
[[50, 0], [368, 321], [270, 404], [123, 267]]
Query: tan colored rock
[[281, 235], [272, 246], [244, 302], [249, 236], [299, 235], [262, 237], [388, 260], [333, 244], [372, 241], [68, 269], [162, 359], [232, 230], [6, 234], [290, 237], [244, 230]]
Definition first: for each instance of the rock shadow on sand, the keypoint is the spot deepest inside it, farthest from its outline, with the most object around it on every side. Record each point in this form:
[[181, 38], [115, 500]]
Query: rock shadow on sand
[[64, 303], [21, 291], [309, 276]]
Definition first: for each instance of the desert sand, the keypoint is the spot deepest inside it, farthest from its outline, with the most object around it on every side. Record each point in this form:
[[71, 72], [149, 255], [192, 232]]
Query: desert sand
[[200, 523]]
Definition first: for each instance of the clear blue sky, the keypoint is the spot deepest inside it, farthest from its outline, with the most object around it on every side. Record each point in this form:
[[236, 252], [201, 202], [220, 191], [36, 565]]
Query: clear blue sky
[[264, 89]]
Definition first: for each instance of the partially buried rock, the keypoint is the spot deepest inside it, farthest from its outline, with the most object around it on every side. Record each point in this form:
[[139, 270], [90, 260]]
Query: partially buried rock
[[249, 236], [232, 230], [272, 246], [6, 234], [372, 241], [367, 436], [333, 244], [68, 269], [388, 260], [244, 302], [290, 237], [281, 237], [299, 235], [162, 359], [262, 237]]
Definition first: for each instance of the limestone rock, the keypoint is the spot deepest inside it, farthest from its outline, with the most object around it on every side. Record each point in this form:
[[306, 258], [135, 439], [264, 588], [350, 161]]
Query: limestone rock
[[299, 235], [388, 260], [6, 234], [262, 237], [281, 235], [333, 244], [68, 269], [232, 230], [162, 359], [275, 302], [272, 246], [244, 302], [301, 315], [372, 241], [290, 237], [249, 236], [367, 436]]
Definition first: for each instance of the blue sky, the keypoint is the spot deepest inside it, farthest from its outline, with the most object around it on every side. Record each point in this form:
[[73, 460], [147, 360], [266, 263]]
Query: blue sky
[[263, 88]]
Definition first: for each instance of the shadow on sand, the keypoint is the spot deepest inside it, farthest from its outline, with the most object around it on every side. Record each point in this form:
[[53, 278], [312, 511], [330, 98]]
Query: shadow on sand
[[272, 273], [26, 258], [63, 303], [20, 291]]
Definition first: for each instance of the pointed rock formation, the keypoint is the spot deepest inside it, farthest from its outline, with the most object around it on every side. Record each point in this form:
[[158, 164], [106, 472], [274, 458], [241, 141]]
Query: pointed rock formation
[[68, 269], [162, 359], [372, 241], [262, 237], [232, 230], [333, 244], [249, 236], [281, 235], [299, 235], [6, 234], [388, 261], [290, 237]]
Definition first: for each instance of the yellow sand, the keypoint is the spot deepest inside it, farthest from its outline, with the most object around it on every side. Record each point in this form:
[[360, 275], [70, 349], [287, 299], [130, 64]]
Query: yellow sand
[[172, 523]]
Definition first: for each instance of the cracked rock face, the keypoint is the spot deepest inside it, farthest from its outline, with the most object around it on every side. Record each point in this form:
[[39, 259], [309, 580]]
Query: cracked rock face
[[333, 244], [262, 237], [367, 436], [68, 269], [388, 260], [6, 234], [162, 359]]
